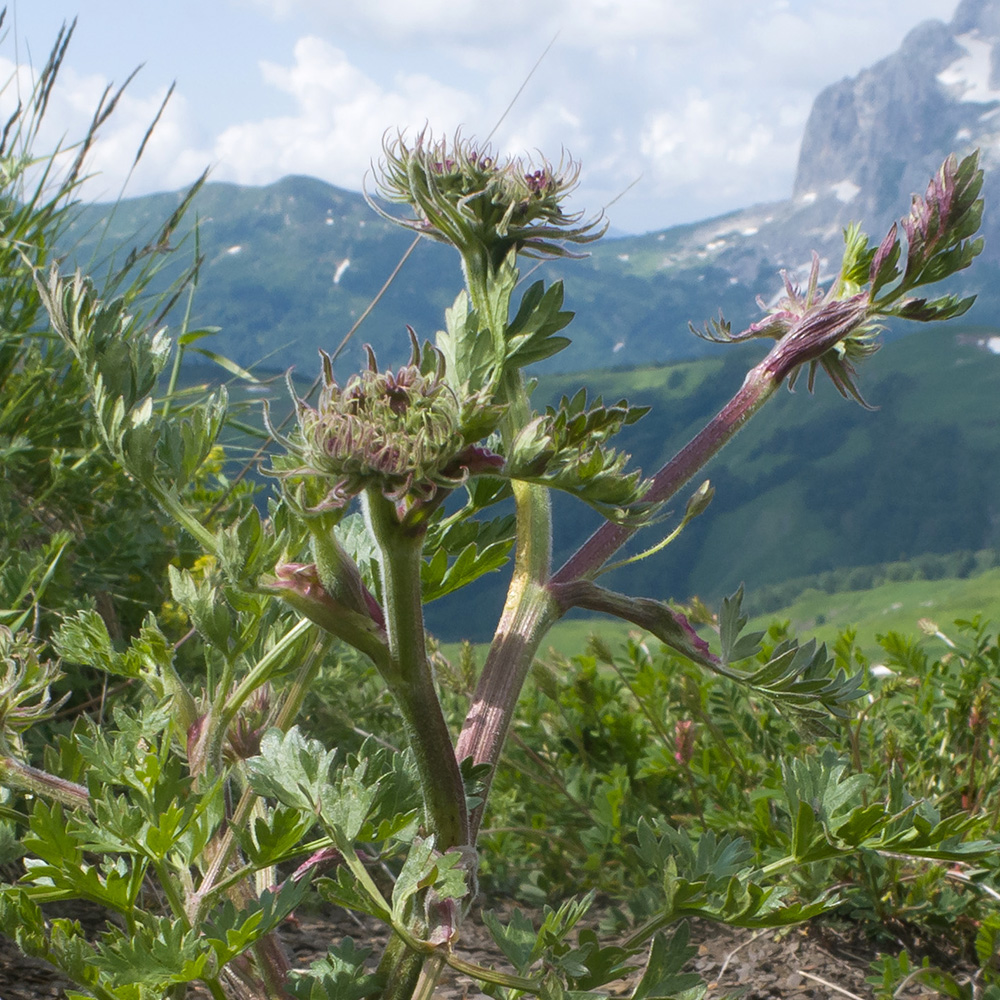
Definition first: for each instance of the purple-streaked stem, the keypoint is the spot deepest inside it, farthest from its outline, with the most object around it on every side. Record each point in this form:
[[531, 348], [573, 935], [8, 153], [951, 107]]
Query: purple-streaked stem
[[533, 607]]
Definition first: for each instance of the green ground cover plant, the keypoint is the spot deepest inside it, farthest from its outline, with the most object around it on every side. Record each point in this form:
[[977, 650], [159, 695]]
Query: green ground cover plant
[[624, 736], [814, 605], [200, 810]]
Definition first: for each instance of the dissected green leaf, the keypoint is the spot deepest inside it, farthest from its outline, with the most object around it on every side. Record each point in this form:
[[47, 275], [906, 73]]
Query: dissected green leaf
[[662, 978], [230, 932], [339, 975], [343, 890], [516, 939], [274, 835], [732, 621], [565, 449], [157, 955], [467, 346], [292, 769], [440, 576], [427, 868], [531, 334]]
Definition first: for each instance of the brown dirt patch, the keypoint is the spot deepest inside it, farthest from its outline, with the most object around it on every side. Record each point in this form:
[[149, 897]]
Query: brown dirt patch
[[803, 963]]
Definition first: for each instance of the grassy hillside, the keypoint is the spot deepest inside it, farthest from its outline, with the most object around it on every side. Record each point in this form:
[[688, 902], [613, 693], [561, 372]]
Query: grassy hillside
[[893, 607], [818, 483]]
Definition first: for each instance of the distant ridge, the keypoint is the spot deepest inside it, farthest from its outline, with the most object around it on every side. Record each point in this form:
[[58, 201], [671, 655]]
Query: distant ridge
[[289, 267]]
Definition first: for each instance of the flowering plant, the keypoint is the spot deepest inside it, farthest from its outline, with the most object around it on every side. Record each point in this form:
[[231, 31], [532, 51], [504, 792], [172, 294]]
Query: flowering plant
[[212, 814]]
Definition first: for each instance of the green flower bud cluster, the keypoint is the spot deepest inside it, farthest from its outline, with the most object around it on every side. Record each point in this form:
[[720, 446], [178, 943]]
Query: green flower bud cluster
[[403, 433], [463, 195]]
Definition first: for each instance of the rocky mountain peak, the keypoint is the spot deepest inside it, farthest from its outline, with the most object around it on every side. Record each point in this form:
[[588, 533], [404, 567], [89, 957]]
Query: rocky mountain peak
[[880, 134], [983, 15]]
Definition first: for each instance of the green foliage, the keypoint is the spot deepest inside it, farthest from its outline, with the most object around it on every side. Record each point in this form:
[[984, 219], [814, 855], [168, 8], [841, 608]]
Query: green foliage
[[563, 449], [200, 812], [893, 974], [62, 499], [644, 766], [465, 550], [340, 974]]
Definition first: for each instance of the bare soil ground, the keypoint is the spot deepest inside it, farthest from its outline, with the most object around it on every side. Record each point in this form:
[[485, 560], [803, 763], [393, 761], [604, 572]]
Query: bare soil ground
[[804, 963]]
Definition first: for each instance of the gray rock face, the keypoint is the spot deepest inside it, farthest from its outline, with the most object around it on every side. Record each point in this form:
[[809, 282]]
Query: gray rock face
[[887, 129], [871, 142], [981, 14]]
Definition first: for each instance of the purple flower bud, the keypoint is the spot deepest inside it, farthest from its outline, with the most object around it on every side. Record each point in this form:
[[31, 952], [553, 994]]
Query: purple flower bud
[[684, 737], [463, 195]]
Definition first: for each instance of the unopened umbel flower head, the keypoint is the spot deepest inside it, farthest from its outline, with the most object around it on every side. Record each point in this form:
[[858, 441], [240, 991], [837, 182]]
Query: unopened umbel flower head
[[835, 330], [462, 193], [403, 433], [816, 329]]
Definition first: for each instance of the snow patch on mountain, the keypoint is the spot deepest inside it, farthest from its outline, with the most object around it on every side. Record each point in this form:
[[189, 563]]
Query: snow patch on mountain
[[969, 75], [845, 190]]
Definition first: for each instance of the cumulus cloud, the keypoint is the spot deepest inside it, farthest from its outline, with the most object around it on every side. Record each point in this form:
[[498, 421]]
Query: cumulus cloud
[[704, 100], [340, 116], [730, 155]]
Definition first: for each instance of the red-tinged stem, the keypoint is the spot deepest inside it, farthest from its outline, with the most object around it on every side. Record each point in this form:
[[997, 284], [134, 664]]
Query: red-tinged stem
[[757, 388], [532, 605], [807, 340], [529, 613], [41, 783]]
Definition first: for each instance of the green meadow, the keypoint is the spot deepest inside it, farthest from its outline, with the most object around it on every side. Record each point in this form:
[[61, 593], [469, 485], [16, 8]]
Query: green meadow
[[892, 607]]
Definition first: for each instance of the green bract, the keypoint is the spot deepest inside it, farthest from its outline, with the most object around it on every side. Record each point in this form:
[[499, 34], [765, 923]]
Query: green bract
[[404, 433], [463, 194]]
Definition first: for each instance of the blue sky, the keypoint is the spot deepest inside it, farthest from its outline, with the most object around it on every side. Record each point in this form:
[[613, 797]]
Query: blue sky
[[695, 107]]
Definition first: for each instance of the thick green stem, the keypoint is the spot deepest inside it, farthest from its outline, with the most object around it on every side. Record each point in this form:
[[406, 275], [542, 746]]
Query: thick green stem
[[14, 774], [529, 610], [410, 676], [400, 970], [478, 278]]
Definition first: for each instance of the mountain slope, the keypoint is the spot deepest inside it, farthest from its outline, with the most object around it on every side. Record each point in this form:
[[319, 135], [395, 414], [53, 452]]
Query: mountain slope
[[812, 483], [290, 267]]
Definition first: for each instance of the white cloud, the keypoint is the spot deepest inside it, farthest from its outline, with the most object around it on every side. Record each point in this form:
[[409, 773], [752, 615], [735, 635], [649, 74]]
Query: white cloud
[[699, 149], [166, 163], [341, 115], [705, 99]]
